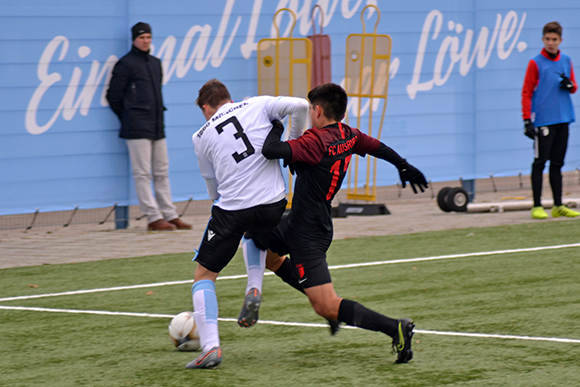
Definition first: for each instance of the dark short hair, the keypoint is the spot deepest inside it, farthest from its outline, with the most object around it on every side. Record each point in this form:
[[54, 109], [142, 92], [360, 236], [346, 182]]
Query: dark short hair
[[331, 98], [213, 93], [554, 27]]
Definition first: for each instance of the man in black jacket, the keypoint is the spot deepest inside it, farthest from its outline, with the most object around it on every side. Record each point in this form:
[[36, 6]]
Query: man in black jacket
[[135, 96]]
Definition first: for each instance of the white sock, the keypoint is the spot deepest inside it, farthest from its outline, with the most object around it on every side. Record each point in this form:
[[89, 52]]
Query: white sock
[[255, 260], [205, 313]]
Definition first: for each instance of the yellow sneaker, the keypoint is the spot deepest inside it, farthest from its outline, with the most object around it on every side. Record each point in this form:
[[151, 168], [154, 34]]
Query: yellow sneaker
[[539, 213], [564, 211]]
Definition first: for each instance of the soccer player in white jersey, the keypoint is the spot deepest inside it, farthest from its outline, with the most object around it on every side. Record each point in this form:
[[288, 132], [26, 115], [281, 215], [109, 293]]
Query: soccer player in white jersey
[[249, 194]]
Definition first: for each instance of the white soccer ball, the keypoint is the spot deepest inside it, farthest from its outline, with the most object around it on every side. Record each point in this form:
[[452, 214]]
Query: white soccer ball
[[183, 332]]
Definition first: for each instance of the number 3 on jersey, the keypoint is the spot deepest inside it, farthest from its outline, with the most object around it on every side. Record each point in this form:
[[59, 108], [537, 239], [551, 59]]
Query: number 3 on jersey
[[336, 168], [239, 134]]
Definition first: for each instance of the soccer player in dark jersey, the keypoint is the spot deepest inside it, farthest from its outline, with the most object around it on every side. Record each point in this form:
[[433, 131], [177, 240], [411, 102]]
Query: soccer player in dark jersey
[[320, 158]]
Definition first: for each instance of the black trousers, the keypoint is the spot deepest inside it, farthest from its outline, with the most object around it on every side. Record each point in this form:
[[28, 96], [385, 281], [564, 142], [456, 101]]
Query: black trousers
[[551, 143]]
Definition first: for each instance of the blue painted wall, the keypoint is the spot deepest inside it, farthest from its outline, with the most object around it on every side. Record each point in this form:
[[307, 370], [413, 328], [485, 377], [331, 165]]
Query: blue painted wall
[[453, 106]]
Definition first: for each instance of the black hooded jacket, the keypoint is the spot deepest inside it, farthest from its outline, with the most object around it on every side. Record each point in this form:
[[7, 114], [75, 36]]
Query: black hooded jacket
[[135, 95]]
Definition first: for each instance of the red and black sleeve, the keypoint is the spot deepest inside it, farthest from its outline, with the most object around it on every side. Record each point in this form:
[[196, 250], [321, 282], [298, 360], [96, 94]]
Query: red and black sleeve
[[308, 148], [374, 147]]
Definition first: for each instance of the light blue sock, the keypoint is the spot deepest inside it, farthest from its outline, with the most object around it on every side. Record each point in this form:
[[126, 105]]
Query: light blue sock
[[205, 312], [255, 260]]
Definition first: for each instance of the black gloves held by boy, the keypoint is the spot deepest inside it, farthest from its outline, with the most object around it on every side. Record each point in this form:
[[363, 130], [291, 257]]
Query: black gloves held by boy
[[529, 129], [566, 83]]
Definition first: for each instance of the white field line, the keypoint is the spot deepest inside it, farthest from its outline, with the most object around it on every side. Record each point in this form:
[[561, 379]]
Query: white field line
[[295, 324], [408, 260]]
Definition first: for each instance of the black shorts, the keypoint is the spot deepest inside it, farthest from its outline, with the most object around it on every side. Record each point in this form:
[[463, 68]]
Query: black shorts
[[307, 253], [225, 229], [551, 143]]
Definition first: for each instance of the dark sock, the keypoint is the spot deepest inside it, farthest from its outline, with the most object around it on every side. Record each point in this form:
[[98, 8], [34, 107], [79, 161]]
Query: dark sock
[[287, 274], [355, 314], [537, 181], [556, 184]]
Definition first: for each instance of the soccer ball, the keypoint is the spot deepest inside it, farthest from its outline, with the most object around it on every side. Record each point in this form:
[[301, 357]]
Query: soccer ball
[[183, 332]]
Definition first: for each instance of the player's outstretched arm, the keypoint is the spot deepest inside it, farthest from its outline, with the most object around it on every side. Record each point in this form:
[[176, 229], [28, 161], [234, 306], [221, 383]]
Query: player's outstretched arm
[[297, 109], [273, 147], [407, 172]]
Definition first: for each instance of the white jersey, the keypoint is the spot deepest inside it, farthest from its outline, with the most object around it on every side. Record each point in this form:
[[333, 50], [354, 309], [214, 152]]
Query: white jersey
[[229, 150]]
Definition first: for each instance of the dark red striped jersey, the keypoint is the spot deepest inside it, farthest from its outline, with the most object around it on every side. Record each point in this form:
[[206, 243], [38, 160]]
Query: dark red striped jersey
[[320, 158]]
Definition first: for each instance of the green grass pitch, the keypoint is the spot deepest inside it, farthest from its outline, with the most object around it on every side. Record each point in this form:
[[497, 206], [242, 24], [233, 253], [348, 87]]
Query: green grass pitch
[[529, 294]]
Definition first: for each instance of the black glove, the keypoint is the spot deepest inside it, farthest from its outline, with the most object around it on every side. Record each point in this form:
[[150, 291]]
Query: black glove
[[409, 173], [277, 124], [529, 129], [566, 83]]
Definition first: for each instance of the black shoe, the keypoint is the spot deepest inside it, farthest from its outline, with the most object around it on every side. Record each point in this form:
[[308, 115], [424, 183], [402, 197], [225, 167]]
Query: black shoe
[[334, 326], [402, 340]]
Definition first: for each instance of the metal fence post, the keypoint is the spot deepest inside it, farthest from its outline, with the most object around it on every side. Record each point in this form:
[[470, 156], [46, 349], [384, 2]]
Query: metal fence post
[[469, 186], [121, 217]]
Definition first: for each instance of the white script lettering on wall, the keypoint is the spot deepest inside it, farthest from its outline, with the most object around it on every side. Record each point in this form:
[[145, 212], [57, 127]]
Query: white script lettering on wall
[[68, 105], [73, 90], [505, 32]]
